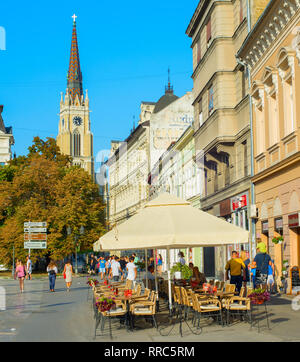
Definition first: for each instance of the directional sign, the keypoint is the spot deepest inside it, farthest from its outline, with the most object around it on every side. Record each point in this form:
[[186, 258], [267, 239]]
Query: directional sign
[[35, 230], [35, 236], [35, 245], [35, 224]]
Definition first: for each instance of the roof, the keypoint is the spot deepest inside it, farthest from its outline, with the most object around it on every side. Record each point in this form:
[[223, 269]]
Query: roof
[[74, 73], [149, 103], [168, 98]]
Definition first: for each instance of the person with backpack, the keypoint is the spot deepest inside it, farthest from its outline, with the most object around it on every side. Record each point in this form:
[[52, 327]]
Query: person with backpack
[[262, 261], [52, 271]]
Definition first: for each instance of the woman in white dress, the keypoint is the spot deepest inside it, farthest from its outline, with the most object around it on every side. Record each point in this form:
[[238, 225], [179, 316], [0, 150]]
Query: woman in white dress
[[68, 270]]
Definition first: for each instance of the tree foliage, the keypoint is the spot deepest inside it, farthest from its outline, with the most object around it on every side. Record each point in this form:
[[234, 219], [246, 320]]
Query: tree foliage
[[43, 186]]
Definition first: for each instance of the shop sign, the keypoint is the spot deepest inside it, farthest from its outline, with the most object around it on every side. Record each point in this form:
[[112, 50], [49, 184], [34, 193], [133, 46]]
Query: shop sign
[[294, 220], [279, 224], [265, 226], [239, 202]]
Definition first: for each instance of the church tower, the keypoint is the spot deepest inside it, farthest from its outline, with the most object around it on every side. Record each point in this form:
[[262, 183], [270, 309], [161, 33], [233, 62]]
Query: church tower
[[74, 131]]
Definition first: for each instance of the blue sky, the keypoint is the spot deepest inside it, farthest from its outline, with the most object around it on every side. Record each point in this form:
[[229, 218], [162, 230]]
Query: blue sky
[[125, 50]]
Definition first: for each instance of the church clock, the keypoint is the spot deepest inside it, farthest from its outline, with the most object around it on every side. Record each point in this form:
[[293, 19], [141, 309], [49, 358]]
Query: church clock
[[77, 121]]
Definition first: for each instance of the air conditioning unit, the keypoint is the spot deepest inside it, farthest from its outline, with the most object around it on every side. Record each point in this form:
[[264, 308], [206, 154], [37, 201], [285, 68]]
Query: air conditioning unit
[[253, 212]]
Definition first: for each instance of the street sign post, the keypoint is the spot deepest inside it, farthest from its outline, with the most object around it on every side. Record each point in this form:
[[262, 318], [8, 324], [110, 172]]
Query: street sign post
[[38, 237], [35, 224], [35, 245], [35, 235], [35, 230]]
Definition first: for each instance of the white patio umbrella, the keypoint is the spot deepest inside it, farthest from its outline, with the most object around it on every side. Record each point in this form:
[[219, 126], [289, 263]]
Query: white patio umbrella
[[169, 222]]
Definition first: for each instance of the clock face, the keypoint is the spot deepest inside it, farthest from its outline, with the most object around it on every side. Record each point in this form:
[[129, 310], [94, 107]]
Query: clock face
[[77, 121]]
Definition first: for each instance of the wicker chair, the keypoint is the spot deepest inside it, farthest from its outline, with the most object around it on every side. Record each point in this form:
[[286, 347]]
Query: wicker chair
[[101, 317], [222, 286], [238, 306], [207, 307], [229, 288], [146, 309], [140, 298]]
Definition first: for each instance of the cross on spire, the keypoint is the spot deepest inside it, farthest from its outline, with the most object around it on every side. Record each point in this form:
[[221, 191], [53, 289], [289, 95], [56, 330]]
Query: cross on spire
[[74, 18]]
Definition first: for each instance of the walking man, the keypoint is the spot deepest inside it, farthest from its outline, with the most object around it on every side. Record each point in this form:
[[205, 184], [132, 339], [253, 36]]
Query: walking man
[[102, 267], [116, 269], [132, 271], [236, 267]]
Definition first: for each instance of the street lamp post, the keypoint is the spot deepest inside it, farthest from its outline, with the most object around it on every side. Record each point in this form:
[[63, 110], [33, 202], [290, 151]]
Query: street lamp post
[[81, 231]]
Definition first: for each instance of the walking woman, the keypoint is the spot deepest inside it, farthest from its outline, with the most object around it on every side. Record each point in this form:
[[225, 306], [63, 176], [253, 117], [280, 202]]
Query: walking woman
[[20, 273], [52, 271], [68, 271]]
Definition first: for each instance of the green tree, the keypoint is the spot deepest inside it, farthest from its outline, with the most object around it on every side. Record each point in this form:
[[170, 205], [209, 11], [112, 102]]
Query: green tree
[[44, 187]]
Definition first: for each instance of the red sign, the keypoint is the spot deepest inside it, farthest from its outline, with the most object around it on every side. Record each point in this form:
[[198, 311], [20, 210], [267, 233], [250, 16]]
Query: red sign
[[294, 220], [35, 236], [239, 202]]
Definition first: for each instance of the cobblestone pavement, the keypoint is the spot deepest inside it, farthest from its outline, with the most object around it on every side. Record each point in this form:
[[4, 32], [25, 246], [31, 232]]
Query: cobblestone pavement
[[38, 315]]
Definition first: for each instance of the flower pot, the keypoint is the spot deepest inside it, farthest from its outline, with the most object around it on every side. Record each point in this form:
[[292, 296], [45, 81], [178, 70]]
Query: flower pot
[[177, 275]]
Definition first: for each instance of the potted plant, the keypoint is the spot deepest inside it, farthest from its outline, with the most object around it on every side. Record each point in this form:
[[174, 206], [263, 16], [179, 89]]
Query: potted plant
[[277, 239], [259, 296], [181, 271], [105, 304], [91, 281]]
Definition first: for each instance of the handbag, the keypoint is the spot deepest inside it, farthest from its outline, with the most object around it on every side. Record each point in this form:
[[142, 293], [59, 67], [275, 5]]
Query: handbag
[[64, 275]]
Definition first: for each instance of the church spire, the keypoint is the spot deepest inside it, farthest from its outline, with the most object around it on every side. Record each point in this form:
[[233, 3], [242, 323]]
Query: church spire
[[169, 88], [74, 79]]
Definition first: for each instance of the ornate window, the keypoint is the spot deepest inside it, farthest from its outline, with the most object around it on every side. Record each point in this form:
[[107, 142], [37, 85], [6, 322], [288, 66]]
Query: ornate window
[[258, 100], [270, 81], [285, 65]]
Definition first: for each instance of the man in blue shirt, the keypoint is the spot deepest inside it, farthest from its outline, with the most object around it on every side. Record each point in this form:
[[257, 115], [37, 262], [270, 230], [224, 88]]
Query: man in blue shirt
[[102, 267], [262, 261]]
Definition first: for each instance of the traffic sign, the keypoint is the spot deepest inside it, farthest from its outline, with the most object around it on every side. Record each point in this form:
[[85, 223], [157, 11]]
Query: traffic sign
[[35, 245], [35, 236], [35, 230], [35, 224]]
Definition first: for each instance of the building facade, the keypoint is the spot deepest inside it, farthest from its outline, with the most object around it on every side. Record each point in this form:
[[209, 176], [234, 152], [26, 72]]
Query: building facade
[[221, 113], [129, 164], [128, 169], [74, 130], [6, 141], [177, 173], [272, 53]]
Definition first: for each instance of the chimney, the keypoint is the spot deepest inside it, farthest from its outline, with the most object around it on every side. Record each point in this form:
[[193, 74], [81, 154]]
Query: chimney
[[1, 108]]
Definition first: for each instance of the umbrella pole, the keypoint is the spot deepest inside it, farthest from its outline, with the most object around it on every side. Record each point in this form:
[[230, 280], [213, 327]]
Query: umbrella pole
[[169, 281], [146, 267]]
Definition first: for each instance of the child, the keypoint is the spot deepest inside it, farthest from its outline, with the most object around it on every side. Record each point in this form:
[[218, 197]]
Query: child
[[253, 273]]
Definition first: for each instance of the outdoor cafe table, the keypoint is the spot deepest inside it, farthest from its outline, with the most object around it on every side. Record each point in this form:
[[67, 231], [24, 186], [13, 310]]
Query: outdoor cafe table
[[125, 299]]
